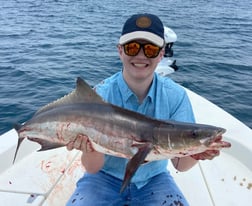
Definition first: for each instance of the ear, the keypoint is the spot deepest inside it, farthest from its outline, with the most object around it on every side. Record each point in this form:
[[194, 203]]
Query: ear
[[120, 50], [161, 54]]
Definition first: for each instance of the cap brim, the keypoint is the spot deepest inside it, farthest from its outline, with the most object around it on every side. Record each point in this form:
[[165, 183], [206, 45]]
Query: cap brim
[[155, 39]]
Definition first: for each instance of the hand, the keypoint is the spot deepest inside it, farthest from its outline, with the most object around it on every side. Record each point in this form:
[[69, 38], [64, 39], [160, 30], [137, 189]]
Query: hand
[[81, 143], [92, 160], [213, 151], [207, 155]]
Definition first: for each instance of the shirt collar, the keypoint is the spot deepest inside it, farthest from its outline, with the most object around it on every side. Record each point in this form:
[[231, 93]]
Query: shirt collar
[[127, 92]]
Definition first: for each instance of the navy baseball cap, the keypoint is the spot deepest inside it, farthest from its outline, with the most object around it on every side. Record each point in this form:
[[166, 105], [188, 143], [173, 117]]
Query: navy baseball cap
[[143, 26]]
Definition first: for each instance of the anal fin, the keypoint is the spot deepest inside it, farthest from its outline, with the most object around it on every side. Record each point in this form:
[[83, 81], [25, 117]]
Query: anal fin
[[135, 162]]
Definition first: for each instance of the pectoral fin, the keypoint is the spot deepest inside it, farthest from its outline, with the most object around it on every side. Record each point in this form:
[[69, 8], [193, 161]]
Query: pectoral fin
[[135, 162], [46, 145]]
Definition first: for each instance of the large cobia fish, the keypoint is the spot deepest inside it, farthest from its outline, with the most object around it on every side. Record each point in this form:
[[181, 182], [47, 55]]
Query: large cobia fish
[[113, 130]]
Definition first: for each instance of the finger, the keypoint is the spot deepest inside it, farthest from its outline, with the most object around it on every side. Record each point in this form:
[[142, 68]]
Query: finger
[[218, 138], [225, 144], [89, 147], [79, 142], [207, 155], [195, 156], [220, 144], [83, 145], [70, 146], [210, 154]]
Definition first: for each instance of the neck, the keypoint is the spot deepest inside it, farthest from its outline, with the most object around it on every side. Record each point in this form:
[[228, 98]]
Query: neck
[[140, 87]]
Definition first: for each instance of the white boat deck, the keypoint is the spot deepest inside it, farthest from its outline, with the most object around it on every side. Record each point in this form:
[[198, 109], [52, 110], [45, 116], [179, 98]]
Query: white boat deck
[[48, 178]]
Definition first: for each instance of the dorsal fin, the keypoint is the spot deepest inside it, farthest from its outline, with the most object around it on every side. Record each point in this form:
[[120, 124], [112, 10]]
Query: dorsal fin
[[83, 93]]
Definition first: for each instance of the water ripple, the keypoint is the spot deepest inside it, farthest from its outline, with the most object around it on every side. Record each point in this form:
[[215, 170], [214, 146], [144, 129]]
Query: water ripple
[[46, 44]]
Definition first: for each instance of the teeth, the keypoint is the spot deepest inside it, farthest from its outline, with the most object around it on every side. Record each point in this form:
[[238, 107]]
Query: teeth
[[140, 65]]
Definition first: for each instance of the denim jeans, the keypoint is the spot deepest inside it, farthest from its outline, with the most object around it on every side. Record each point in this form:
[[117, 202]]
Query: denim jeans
[[101, 189]]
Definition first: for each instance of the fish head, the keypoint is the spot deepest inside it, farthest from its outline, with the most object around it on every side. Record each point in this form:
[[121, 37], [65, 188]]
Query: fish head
[[205, 134], [177, 138], [198, 138]]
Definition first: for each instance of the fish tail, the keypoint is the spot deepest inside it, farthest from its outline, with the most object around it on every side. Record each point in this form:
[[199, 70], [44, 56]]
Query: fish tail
[[20, 140]]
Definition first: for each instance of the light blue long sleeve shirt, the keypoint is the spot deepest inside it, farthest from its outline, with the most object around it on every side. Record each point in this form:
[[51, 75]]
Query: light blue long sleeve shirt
[[165, 100]]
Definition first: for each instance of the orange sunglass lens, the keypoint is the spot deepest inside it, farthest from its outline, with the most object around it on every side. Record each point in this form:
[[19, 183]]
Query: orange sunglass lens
[[132, 49], [151, 50]]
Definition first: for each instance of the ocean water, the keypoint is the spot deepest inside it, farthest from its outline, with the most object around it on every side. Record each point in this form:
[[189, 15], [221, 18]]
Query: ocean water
[[46, 44]]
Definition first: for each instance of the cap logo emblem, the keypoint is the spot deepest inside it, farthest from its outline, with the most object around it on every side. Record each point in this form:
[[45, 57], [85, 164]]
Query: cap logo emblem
[[143, 22]]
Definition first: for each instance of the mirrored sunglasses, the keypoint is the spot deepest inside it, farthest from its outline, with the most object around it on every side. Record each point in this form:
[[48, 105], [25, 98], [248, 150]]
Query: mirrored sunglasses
[[133, 48]]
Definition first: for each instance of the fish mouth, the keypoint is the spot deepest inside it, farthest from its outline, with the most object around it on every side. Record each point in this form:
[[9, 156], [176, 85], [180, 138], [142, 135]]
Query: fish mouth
[[214, 137], [220, 132]]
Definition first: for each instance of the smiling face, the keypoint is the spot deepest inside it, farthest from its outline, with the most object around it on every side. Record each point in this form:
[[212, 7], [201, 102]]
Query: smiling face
[[138, 67]]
